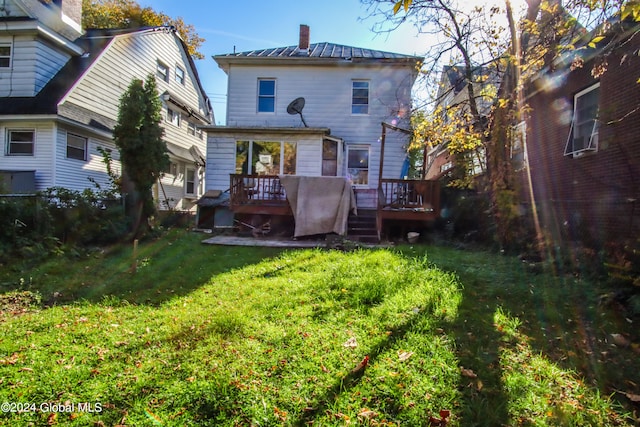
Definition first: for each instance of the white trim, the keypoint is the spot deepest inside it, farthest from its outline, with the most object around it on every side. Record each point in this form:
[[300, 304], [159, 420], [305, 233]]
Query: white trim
[[275, 93], [10, 45], [368, 104], [7, 150], [368, 168], [85, 149], [592, 145], [282, 143]]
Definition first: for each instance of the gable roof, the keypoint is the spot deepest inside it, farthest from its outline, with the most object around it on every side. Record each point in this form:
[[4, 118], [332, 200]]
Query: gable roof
[[317, 53], [94, 42]]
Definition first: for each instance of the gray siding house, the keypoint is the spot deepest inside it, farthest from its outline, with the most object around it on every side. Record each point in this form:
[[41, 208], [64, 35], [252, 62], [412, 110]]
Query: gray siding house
[[60, 89]]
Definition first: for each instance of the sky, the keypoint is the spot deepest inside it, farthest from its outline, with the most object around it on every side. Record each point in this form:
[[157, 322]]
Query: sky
[[256, 24]]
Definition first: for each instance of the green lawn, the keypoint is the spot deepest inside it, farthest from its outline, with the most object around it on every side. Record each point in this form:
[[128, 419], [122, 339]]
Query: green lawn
[[224, 336]]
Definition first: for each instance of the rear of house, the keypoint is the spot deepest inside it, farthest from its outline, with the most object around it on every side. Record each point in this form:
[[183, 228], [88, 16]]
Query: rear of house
[[314, 110]]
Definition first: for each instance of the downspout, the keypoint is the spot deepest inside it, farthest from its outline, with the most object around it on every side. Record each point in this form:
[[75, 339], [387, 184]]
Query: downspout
[[379, 192]]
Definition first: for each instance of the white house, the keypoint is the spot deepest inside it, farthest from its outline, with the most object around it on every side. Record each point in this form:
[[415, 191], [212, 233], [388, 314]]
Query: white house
[[60, 89], [312, 109]]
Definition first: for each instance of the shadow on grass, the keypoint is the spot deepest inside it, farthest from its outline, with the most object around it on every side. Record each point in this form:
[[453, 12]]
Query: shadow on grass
[[560, 316], [346, 383], [171, 266], [484, 401]]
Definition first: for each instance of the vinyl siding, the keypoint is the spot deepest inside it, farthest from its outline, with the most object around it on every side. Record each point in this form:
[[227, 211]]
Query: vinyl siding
[[327, 92], [74, 174], [12, 9], [43, 159], [33, 63], [221, 161], [135, 56]]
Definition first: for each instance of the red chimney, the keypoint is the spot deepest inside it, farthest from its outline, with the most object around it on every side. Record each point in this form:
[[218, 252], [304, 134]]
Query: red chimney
[[304, 38]]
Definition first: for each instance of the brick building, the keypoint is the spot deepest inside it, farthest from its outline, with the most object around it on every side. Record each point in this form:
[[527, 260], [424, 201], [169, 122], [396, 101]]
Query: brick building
[[583, 139]]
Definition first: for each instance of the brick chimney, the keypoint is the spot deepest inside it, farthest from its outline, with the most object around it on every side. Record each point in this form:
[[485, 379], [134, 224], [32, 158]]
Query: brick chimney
[[303, 45]]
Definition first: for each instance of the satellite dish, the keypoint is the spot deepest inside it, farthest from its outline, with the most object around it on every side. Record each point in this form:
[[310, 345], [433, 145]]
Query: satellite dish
[[295, 107]]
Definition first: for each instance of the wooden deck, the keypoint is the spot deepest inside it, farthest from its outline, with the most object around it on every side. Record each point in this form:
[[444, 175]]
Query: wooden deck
[[398, 199], [258, 194]]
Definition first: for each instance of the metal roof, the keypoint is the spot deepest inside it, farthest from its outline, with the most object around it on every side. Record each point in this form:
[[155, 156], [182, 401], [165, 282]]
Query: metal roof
[[320, 50]]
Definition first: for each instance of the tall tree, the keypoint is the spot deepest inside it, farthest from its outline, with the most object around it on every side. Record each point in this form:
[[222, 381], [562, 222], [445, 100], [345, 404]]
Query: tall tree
[[143, 152], [129, 14], [470, 38]]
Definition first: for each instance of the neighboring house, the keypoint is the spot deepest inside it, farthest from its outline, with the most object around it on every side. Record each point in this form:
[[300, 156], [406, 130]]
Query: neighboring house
[[61, 90], [312, 110], [583, 143], [453, 93]]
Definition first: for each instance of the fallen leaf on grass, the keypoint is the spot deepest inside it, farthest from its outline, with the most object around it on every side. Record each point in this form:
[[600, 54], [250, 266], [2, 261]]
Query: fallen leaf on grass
[[468, 372], [632, 397], [620, 340], [351, 343], [367, 414], [404, 355]]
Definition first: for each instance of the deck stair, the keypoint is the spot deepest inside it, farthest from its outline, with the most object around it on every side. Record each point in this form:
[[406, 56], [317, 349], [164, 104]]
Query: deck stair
[[362, 227]]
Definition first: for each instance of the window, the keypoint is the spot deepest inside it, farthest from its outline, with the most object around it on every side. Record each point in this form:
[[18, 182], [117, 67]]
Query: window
[[191, 128], [583, 135], [266, 157], [173, 117], [21, 142], [171, 169], [329, 158], [190, 181], [179, 75], [266, 96], [359, 97], [162, 71], [5, 55], [358, 164], [76, 147]]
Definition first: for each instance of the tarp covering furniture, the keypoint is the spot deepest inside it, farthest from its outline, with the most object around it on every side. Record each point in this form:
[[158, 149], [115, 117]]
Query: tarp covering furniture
[[320, 204]]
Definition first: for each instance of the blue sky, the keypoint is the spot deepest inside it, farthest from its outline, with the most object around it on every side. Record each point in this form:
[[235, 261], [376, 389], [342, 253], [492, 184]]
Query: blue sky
[[255, 24]]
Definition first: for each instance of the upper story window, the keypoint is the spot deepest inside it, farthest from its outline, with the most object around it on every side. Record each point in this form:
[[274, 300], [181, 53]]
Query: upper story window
[[266, 95], [359, 97], [358, 164], [162, 71], [5, 55], [20, 142], [173, 117], [583, 135], [76, 147], [179, 75]]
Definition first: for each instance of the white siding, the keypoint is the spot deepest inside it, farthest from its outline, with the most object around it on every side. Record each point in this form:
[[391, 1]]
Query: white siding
[[12, 9], [75, 174], [34, 62], [221, 162], [43, 159], [135, 56], [327, 92]]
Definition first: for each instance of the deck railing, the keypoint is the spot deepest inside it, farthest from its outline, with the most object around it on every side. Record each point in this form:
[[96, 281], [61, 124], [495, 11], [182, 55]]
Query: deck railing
[[402, 194], [257, 189]]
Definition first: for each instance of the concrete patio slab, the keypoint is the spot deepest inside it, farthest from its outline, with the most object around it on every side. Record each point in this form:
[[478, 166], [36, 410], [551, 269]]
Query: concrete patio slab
[[264, 241]]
